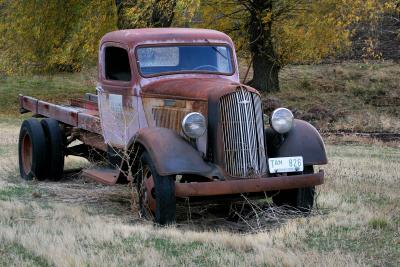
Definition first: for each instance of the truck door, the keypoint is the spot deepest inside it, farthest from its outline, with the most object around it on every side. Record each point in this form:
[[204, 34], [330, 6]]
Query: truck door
[[117, 102]]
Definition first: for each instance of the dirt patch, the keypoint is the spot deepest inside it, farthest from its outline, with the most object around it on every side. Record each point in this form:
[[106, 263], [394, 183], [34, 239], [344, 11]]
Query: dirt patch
[[348, 137], [384, 101], [318, 113], [270, 104]]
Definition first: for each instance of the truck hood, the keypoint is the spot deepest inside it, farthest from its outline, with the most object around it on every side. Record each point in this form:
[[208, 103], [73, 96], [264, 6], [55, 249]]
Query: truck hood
[[192, 88]]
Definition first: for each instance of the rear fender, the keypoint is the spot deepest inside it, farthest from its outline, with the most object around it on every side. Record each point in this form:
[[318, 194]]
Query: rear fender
[[171, 154], [303, 140]]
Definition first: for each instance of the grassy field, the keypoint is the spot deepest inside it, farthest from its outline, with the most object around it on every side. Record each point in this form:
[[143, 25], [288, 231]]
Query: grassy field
[[54, 88], [75, 222], [349, 96], [356, 221]]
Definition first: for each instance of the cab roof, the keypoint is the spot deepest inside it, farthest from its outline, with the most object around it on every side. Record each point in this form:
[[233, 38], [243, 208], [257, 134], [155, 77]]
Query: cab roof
[[133, 37]]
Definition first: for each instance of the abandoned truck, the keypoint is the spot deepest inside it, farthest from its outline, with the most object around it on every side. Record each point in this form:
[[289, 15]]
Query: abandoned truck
[[174, 120]]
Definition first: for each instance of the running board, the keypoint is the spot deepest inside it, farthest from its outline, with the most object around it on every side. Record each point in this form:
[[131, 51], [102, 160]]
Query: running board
[[102, 175]]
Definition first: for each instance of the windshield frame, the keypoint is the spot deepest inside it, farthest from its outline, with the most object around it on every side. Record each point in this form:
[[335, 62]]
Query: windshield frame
[[232, 61]]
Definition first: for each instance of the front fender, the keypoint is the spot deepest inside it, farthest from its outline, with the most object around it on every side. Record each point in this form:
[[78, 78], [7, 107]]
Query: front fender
[[171, 154], [303, 140]]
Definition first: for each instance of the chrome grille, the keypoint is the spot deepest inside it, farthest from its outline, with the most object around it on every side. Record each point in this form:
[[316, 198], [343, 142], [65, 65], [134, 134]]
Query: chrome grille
[[243, 134]]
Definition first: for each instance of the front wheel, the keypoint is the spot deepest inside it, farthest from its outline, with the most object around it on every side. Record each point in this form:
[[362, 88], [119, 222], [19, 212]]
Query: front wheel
[[299, 198], [156, 193]]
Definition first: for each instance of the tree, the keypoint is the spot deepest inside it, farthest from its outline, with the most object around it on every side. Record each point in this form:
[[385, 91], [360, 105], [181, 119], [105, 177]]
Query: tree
[[155, 13], [259, 30], [273, 33], [48, 36]]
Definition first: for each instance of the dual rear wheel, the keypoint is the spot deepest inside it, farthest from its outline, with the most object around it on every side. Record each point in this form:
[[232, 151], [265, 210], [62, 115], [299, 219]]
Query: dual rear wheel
[[41, 150]]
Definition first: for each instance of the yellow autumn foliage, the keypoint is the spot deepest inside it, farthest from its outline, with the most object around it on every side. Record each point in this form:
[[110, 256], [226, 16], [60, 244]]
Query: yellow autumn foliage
[[48, 36], [138, 14], [303, 31]]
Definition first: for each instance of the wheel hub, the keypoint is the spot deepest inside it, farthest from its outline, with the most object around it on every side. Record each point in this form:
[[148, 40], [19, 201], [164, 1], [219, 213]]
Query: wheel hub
[[26, 153], [147, 201], [150, 201]]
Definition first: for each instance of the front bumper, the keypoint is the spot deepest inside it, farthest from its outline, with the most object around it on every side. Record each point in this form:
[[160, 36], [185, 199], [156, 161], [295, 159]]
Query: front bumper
[[248, 185]]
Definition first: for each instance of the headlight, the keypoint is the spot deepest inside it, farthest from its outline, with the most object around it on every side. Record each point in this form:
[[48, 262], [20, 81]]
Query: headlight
[[194, 125], [282, 120]]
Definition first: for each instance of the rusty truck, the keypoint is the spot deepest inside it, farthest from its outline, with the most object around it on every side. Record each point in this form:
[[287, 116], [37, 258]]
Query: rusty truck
[[171, 116]]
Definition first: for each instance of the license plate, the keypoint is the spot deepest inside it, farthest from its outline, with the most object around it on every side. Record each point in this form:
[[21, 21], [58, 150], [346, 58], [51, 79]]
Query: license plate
[[285, 164]]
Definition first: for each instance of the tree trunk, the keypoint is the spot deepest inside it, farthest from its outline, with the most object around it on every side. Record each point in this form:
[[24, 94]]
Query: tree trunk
[[120, 21], [265, 74], [155, 13], [265, 64], [162, 13]]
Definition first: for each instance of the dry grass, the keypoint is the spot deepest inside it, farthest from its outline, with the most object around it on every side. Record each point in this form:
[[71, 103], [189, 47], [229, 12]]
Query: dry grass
[[350, 96], [76, 223]]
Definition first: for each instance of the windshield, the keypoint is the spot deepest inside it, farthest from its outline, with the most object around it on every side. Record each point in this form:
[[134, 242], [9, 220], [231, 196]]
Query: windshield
[[155, 60]]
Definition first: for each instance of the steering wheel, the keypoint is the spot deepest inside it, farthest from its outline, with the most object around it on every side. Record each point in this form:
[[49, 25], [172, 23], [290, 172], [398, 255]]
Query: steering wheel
[[205, 66]]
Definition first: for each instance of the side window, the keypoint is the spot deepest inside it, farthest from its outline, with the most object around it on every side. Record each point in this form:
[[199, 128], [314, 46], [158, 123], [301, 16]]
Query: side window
[[117, 64]]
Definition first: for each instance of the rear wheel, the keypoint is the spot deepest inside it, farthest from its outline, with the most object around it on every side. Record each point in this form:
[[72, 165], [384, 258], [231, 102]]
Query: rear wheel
[[32, 155], [55, 148], [156, 193], [299, 198]]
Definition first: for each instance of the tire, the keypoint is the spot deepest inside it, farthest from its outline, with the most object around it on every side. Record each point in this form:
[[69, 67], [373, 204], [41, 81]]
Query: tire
[[55, 149], [32, 154], [156, 200], [300, 198]]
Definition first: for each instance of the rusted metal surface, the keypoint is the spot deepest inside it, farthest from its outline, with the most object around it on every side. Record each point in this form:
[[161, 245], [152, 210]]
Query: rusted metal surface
[[26, 153], [303, 140], [93, 140], [134, 37], [104, 176], [84, 103], [169, 118], [169, 113], [64, 114], [82, 118], [27, 104], [191, 88], [151, 202], [248, 185], [89, 122], [171, 154], [119, 118]]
